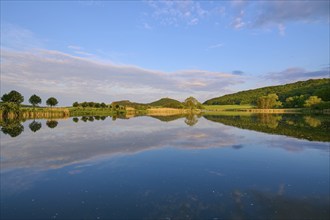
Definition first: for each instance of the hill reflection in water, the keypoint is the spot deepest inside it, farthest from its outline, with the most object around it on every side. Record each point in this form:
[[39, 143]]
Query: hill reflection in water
[[186, 168]]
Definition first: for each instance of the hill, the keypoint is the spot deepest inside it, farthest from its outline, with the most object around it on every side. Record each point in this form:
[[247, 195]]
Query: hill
[[128, 103], [318, 87], [163, 102], [167, 103]]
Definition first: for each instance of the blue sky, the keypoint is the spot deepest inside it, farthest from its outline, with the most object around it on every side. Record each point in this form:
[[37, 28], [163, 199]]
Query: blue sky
[[144, 50]]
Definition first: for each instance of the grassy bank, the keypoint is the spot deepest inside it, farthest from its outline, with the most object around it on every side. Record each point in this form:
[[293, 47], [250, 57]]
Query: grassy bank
[[58, 112], [90, 111], [227, 107], [30, 113], [170, 111], [212, 109]]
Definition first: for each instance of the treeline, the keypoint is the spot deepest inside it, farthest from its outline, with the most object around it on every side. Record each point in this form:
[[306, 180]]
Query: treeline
[[314, 128], [293, 95], [188, 103], [272, 101], [12, 103], [91, 104]]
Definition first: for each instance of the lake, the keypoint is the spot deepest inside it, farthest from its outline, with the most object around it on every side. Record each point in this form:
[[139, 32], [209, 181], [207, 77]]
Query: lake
[[190, 167]]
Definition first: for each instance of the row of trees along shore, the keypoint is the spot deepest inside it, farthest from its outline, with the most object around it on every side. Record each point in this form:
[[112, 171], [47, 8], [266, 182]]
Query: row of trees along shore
[[271, 101], [11, 102]]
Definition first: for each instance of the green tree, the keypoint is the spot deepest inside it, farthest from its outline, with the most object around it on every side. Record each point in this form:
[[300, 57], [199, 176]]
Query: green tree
[[84, 104], [312, 100], [52, 102], [294, 101], [12, 103], [75, 104], [269, 101], [13, 96], [323, 93], [34, 100], [191, 103], [10, 107]]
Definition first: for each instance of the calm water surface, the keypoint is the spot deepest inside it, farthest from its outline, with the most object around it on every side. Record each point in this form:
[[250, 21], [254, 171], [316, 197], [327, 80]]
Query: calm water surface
[[214, 167]]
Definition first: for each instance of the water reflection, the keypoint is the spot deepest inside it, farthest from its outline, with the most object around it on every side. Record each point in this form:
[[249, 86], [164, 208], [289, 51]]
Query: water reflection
[[52, 123], [35, 126], [143, 168], [12, 127], [313, 122], [94, 140], [75, 119], [191, 119], [277, 206], [314, 128]]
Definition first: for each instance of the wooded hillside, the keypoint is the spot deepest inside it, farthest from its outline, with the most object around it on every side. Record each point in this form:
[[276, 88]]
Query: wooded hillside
[[312, 87]]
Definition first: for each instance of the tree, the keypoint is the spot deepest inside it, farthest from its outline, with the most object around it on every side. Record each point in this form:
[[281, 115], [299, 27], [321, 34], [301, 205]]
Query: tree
[[13, 96], [12, 103], [191, 102], [75, 104], [52, 101], [84, 104], [312, 100], [269, 101], [103, 105], [294, 101], [10, 107], [323, 93], [34, 100]]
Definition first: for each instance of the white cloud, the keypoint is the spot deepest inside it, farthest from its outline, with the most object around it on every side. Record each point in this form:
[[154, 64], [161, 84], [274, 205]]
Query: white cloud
[[267, 15], [75, 47], [13, 36], [215, 46], [281, 29], [147, 26], [280, 12], [295, 73], [72, 78], [238, 22], [177, 12]]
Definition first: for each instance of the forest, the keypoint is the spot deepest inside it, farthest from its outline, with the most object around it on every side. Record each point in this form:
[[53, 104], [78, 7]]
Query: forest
[[290, 95]]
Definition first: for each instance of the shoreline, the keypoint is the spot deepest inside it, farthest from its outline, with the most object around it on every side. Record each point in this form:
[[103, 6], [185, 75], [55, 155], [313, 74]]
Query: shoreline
[[63, 112]]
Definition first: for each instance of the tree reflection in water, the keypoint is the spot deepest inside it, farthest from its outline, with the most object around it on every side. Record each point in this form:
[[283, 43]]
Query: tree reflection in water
[[191, 119], [310, 127], [12, 127], [35, 126], [52, 123]]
